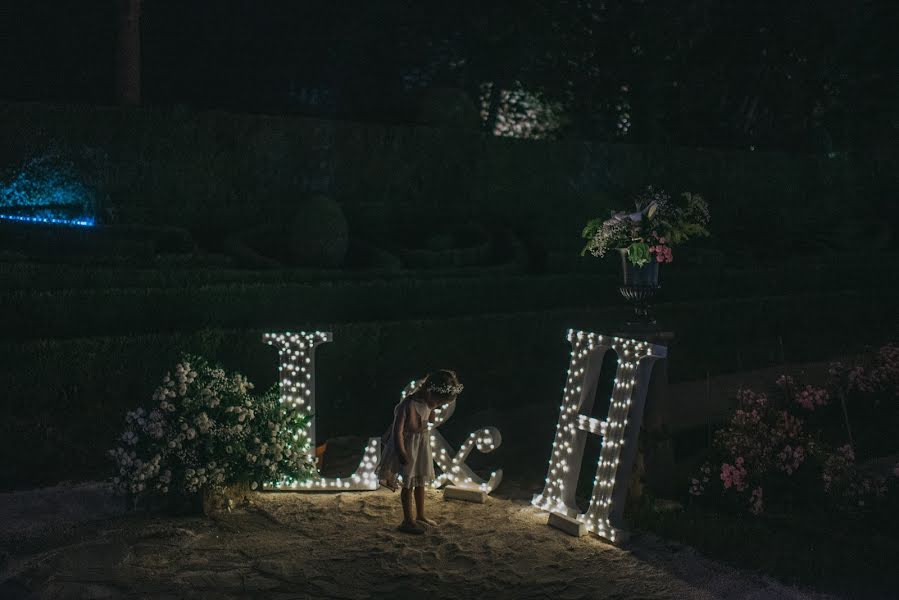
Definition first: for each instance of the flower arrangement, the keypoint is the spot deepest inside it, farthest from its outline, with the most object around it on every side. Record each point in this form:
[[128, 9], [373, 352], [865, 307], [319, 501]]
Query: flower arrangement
[[205, 431], [658, 224], [789, 445]]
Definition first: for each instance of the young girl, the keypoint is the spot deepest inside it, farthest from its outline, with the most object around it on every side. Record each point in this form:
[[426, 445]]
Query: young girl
[[407, 448]]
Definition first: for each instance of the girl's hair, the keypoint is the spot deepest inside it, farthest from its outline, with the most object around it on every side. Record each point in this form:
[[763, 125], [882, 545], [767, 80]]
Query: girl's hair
[[443, 383]]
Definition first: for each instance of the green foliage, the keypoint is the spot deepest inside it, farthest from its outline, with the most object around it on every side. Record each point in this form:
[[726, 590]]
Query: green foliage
[[65, 394], [651, 231], [638, 253], [204, 431], [319, 234], [687, 221], [215, 174]]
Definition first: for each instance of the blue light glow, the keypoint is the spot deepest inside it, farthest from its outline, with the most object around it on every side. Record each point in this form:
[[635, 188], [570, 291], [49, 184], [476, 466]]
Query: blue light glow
[[89, 222], [49, 189]]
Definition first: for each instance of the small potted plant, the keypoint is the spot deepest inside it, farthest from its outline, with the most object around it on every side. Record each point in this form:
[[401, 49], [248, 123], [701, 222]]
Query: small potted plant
[[644, 240]]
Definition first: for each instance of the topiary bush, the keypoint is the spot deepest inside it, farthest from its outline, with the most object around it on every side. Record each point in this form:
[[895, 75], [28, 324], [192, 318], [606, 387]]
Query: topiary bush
[[450, 246], [448, 107], [61, 183], [319, 235]]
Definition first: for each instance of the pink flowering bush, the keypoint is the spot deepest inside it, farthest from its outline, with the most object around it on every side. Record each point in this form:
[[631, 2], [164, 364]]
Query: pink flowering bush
[[788, 447], [869, 388], [764, 448], [203, 431]]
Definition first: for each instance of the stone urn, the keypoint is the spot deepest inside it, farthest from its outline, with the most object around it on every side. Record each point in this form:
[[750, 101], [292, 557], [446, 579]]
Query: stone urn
[[640, 285]]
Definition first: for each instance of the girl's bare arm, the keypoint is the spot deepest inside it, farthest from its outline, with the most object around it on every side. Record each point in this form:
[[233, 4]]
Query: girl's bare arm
[[399, 429]]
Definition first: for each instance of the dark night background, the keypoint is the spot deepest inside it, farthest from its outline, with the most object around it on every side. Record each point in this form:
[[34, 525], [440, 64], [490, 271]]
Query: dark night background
[[414, 177], [808, 76]]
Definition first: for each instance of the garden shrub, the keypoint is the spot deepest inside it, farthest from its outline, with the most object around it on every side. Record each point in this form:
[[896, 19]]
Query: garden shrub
[[319, 233], [60, 182], [449, 246], [799, 446], [64, 393], [205, 431], [448, 107]]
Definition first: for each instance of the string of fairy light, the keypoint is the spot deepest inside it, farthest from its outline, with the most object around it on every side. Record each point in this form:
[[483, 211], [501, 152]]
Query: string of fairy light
[[582, 377], [453, 469], [296, 370], [296, 352]]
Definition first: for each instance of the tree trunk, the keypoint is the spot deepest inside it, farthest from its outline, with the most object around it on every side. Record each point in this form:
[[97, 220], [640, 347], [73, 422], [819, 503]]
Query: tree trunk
[[128, 64]]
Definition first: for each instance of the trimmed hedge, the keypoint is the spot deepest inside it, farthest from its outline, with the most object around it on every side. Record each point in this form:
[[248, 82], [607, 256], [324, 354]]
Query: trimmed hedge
[[68, 313], [64, 399], [215, 173], [270, 303]]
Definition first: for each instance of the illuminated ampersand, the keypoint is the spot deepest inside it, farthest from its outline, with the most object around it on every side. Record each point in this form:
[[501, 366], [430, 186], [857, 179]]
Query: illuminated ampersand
[[453, 469], [619, 432], [296, 353]]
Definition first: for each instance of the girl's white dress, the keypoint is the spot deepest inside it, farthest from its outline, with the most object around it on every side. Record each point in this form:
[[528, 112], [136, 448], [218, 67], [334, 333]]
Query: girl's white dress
[[419, 470]]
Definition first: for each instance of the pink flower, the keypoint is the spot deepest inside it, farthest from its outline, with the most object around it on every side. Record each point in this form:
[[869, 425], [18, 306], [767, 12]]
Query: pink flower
[[785, 381], [734, 476], [847, 452], [663, 253], [696, 487], [748, 398], [790, 459], [811, 397]]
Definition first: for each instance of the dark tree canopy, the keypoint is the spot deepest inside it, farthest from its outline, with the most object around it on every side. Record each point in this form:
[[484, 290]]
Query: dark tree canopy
[[811, 75]]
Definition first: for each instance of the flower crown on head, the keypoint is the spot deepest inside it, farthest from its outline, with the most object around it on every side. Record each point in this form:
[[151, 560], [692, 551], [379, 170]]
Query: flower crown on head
[[450, 389]]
